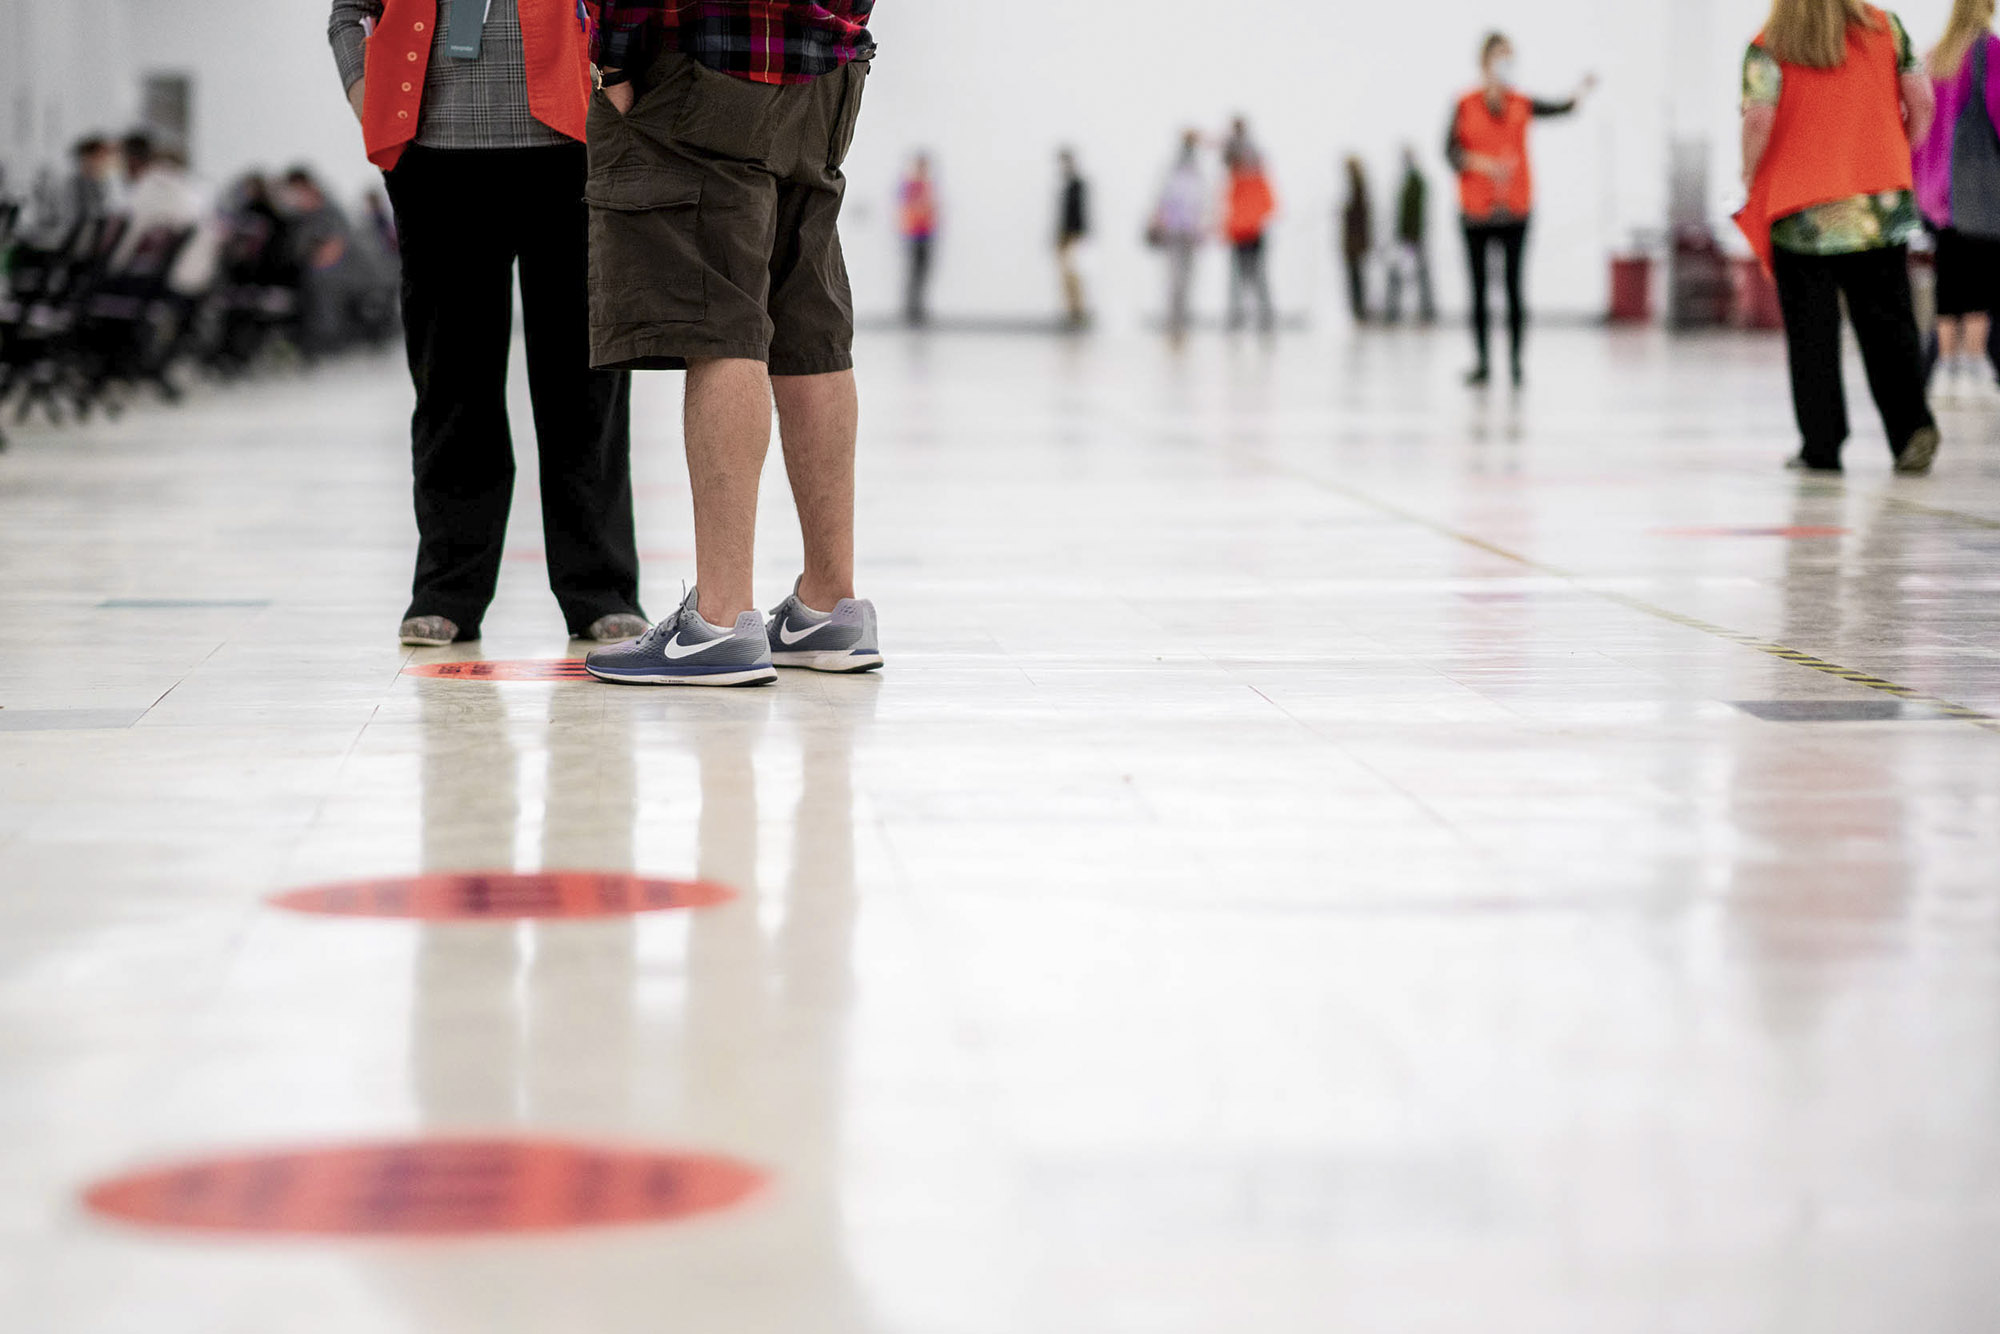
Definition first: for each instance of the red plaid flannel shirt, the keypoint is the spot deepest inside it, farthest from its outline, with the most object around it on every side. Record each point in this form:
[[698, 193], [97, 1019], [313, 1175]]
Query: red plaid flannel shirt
[[765, 41]]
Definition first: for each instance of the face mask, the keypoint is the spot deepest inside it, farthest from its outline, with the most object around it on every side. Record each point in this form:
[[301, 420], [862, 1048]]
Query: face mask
[[1503, 69]]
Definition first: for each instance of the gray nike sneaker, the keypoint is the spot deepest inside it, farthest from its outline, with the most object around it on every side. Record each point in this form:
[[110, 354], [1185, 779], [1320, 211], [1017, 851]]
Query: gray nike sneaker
[[685, 650], [845, 641]]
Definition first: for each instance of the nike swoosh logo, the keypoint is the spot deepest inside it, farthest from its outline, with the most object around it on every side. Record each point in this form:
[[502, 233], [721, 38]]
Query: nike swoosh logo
[[786, 636], [675, 650]]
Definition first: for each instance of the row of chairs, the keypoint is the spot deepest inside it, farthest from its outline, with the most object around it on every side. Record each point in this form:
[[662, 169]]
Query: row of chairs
[[93, 318]]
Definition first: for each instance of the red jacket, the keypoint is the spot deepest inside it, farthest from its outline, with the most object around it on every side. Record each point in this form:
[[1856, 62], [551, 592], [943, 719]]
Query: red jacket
[[399, 56]]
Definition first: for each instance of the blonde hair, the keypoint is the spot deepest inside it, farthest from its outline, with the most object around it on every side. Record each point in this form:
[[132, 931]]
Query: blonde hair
[[1813, 33], [1970, 20]]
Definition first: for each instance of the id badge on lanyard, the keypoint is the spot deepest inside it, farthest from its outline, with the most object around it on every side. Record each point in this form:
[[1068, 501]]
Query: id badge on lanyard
[[468, 22]]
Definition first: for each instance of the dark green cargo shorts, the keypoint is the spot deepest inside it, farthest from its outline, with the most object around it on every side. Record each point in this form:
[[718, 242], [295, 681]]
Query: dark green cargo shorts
[[714, 221]]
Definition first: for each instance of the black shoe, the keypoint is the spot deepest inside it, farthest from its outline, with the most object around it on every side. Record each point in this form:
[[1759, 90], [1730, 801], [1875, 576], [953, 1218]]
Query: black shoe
[[1478, 376], [1799, 463]]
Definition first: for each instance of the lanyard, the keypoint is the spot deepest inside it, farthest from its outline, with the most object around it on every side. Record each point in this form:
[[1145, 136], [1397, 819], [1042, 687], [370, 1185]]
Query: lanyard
[[468, 21]]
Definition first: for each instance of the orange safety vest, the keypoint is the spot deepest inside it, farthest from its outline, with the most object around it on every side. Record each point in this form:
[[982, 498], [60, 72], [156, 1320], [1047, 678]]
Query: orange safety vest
[[1252, 203], [920, 214], [1839, 133], [399, 55], [1505, 137]]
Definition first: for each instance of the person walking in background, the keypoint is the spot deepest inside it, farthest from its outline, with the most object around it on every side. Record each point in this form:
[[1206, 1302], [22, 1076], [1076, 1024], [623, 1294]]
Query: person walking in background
[[919, 217], [1072, 229], [1958, 186], [1247, 218], [1488, 147], [1410, 258], [476, 115], [751, 106], [1357, 238], [1179, 225], [1833, 95]]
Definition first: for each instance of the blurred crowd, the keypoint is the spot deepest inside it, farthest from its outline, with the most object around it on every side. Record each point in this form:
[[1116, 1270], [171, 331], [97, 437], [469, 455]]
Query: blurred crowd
[[126, 270]]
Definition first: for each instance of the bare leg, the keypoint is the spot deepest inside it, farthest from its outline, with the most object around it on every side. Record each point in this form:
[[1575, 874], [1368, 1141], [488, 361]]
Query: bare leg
[[818, 419], [728, 437], [1951, 336], [1978, 329]]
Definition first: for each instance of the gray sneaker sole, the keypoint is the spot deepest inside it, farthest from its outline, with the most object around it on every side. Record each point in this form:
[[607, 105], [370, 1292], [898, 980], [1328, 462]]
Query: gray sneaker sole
[[752, 676], [840, 663]]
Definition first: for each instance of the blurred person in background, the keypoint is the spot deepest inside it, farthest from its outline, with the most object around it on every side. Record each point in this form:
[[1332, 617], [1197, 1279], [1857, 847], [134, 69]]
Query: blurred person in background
[[1357, 238], [1833, 95], [752, 105], [262, 253], [1410, 258], [1250, 206], [1072, 230], [1178, 227], [162, 194], [321, 242], [381, 222], [1487, 146], [91, 191], [1958, 189], [480, 133], [917, 213]]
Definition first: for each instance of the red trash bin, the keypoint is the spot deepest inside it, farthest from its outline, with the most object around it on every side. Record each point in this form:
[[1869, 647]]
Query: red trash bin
[[1631, 289]]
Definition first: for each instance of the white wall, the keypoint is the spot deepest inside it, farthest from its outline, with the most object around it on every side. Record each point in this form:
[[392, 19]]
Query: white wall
[[993, 90], [61, 76]]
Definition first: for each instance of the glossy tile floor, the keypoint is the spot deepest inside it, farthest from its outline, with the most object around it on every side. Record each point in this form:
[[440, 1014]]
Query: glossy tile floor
[[1330, 852]]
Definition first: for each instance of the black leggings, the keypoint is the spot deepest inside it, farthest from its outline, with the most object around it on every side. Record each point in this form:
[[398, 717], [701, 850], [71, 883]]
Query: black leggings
[[1513, 240]]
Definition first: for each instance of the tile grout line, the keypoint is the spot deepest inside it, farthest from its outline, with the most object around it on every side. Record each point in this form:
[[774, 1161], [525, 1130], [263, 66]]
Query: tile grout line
[[1770, 648]]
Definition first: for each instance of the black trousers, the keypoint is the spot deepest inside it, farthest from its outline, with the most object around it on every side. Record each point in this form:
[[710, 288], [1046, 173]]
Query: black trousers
[[1876, 284], [1512, 238], [466, 218], [1357, 287], [917, 292], [1250, 278]]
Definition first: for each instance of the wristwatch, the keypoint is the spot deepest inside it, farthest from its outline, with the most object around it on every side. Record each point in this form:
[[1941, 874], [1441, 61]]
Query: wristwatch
[[602, 78]]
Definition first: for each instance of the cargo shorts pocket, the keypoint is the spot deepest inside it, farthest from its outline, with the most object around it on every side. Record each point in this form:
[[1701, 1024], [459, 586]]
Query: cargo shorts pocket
[[727, 117], [645, 247]]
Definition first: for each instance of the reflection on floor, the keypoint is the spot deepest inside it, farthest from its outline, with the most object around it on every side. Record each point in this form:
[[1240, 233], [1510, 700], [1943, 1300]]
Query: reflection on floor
[[1329, 852]]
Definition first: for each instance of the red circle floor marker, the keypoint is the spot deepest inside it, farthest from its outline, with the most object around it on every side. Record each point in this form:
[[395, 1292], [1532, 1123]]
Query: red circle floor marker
[[505, 896], [427, 1188], [550, 669], [1795, 533]]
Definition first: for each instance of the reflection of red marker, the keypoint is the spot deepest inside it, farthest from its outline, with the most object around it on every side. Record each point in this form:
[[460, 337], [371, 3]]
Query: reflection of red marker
[[427, 1188], [506, 896], [552, 669]]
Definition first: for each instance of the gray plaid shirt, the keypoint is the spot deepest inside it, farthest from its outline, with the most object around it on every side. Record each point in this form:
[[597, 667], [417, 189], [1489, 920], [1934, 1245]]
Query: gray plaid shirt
[[479, 103]]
